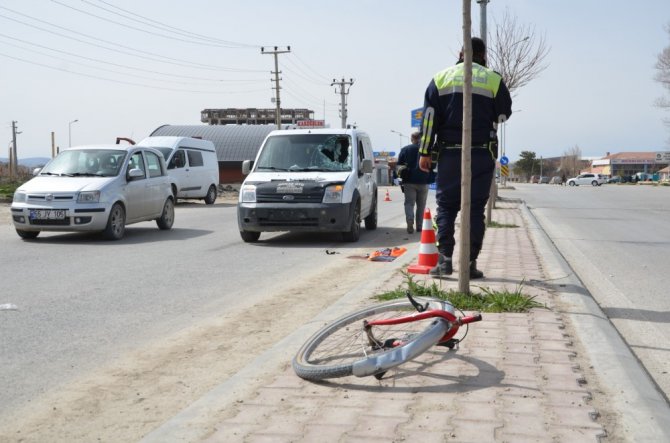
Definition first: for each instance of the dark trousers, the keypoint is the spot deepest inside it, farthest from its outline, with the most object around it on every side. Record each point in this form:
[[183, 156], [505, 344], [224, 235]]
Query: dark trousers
[[448, 198]]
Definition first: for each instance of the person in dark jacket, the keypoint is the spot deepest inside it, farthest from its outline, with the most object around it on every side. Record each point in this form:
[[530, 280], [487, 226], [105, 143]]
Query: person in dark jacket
[[414, 182], [442, 129]]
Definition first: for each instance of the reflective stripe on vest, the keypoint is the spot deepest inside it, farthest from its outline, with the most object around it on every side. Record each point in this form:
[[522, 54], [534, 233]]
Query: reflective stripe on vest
[[484, 81]]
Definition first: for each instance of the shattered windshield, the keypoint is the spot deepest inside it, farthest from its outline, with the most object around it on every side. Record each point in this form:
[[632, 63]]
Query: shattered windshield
[[306, 152], [86, 162]]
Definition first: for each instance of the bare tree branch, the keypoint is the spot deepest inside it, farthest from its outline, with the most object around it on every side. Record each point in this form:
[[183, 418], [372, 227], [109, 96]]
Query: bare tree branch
[[516, 52]]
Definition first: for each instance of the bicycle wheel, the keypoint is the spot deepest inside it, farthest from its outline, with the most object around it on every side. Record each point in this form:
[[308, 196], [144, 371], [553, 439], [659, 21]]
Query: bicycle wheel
[[343, 348]]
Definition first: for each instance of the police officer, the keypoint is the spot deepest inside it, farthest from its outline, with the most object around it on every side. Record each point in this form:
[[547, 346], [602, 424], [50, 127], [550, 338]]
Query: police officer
[[442, 129]]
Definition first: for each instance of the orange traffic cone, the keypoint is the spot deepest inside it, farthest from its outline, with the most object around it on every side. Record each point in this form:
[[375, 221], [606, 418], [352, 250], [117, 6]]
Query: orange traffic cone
[[428, 254], [388, 196]]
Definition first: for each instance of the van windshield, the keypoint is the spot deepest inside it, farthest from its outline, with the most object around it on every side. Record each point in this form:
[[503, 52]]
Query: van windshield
[[86, 162], [306, 152], [166, 152]]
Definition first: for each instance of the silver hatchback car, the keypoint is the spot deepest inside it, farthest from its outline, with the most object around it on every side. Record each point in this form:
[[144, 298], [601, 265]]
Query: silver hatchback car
[[95, 188]]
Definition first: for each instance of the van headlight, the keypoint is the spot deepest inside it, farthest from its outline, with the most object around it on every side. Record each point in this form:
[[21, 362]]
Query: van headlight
[[88, 197], [333, 194], [19, 197], [248, 194]]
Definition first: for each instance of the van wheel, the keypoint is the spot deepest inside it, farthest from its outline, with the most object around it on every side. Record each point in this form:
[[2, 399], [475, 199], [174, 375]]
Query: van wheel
[[354, 232], [371, 219], [166, 219], [250, 236], [116, 224], [210, 198], [27, 235]]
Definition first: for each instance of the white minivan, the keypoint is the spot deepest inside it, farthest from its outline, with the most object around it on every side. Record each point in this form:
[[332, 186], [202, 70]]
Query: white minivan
[[192, 166], [317, 180]]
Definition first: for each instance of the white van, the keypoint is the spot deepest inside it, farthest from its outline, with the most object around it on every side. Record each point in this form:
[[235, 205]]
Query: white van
[[309, 180], [192, 166]]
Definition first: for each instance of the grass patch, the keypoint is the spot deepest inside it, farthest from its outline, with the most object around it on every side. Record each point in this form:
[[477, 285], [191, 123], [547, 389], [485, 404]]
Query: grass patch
[[495, 224], [485, 301]]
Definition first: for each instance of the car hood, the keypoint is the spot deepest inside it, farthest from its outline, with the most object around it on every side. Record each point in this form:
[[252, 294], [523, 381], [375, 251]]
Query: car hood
[[65, 184], [318, 176]]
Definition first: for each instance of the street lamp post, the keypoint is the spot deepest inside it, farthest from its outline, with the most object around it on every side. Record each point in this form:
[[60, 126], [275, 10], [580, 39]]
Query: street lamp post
[[401, 136], [69, 132]]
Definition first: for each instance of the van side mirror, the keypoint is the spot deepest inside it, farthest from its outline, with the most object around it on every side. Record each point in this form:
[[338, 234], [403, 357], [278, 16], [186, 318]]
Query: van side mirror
[[366, 166], [246, 166]]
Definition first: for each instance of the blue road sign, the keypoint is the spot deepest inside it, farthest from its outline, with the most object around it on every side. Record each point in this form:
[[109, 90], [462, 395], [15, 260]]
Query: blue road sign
[[417, 115], [504, 160]]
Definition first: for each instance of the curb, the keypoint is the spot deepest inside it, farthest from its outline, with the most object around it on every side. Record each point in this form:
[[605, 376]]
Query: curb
[[629, 388]]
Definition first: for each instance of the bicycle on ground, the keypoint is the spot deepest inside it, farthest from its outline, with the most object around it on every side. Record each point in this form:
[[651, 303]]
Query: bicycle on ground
[[378, 338]]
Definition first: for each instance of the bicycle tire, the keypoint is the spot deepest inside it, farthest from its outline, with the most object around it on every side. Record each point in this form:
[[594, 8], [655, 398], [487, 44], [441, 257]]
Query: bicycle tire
[[334, 350]]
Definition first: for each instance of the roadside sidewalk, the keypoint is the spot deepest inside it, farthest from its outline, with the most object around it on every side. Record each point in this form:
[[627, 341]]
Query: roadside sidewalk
[[517, 377]]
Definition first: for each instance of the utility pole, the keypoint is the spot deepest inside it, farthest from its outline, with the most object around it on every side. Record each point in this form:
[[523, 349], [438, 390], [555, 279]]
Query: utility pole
[[276, 73], [344, 91], [14, 161], [482, 19]]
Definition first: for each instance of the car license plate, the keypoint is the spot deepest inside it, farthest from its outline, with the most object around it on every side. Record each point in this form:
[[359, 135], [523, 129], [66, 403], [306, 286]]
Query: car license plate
[[48, 214]]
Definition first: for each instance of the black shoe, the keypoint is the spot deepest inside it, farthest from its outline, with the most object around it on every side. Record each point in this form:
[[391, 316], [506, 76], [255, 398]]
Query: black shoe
[[410, 226], [474, 272], [444, 267]]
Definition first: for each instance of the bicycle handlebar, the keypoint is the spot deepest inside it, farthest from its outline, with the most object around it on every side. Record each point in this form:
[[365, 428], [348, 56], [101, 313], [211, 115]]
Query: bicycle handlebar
[[470, 319]]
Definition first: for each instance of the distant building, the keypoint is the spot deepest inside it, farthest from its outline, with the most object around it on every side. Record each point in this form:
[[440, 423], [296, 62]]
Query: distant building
[[628, 163], [254, 116]]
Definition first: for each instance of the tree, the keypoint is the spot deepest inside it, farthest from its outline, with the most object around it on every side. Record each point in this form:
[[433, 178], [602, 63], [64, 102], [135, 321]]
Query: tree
[[527, 164], [571, 162], [516, 52], [663, 77]]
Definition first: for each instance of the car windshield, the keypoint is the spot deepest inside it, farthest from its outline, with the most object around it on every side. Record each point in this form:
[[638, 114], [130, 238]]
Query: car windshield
[[306, 152], [86, 162]]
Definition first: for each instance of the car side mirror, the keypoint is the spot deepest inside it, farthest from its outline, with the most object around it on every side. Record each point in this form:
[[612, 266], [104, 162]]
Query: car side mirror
[[36, 171], [246, 166], [135, 173], [366, 166]]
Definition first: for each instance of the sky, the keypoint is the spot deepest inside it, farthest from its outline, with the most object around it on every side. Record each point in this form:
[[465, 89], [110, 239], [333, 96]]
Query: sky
[[122, 68]]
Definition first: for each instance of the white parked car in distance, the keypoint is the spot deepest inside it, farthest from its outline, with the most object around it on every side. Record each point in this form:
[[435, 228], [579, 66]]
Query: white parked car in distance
[[587, 179], [95, 188]]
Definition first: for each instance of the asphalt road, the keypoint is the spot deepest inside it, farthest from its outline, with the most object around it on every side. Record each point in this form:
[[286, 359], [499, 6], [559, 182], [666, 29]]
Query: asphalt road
[[617, 239], [82, 301]]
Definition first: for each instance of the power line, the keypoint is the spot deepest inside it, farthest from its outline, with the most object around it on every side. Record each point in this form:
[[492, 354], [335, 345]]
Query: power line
[[325, 79], [117, 64], [124, 82], [166, 27], [155, 57], [146, 31]]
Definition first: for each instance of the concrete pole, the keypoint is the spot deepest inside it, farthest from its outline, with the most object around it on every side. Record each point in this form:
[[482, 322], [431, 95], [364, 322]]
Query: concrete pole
[[276, 73], [14, 159]]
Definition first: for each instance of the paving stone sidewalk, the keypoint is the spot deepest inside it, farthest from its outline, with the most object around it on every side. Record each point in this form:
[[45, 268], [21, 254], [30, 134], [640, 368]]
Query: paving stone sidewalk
[[518, 377]]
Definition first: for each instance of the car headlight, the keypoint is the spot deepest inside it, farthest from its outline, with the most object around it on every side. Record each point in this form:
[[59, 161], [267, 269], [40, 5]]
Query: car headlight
[[248, 194], [333, 194], [19, 197], [88, 197]]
